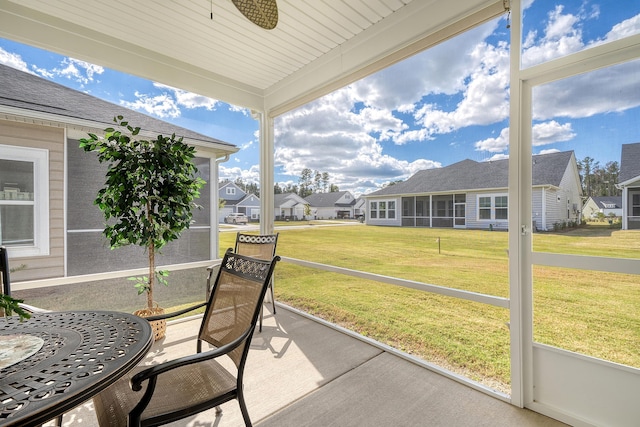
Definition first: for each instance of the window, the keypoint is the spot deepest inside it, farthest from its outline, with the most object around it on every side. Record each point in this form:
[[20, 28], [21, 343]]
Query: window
[[635, 205], [493, 207], [230, 191], [502, 207], [24, 200], [385, 209], [484, 208]]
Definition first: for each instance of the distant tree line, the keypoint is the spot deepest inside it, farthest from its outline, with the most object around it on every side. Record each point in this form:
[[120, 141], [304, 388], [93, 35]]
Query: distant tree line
[[309, 182], [598, 180]]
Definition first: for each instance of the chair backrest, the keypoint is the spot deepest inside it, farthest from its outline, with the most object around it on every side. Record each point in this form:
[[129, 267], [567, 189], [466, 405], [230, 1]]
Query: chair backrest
[[4, 272], [261, 246], [235, 301]]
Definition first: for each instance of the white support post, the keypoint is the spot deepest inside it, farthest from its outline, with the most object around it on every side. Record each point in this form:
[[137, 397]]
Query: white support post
[[266, 142]]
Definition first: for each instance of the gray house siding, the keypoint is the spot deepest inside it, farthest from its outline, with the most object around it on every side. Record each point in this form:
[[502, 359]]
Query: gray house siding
[[629, 182], [51, 140], [87, 249], [250, 206], [552, 208], [538, 209], [478, 191], [30, 99]]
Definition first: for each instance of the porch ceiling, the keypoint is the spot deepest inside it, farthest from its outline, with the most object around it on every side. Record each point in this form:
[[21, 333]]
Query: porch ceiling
[[317, 47]]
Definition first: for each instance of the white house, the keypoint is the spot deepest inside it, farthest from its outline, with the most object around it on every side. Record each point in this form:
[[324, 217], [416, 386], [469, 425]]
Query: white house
[[471, 194], [606, 205], [289, 206], [337, 204]]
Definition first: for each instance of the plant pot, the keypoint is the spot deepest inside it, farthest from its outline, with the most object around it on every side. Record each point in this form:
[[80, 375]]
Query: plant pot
[[159, 326]]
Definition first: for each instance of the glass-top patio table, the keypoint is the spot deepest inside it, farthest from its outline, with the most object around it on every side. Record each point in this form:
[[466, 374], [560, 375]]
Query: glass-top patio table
[[67, 358]]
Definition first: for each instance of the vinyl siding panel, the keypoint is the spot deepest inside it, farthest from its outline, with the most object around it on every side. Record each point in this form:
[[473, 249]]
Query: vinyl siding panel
[[52, 140], [537, 209]]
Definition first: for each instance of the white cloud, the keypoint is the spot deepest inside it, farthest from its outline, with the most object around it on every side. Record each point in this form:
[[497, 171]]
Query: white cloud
[[251, 175], [608, 90], [494, 145], [343, 133], [328, 135], [551, 132], [13, 60], [561, 37], [78, 71], [625, 28], [236, 109], [484, 99], [189, 99], [497, 157], [160, 106], [545, 133]]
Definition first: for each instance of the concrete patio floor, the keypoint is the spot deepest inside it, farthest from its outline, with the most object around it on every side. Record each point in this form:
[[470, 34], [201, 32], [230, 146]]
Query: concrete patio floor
[[303, 373]]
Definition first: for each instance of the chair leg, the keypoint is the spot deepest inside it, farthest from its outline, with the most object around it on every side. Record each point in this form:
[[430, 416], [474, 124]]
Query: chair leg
[[243, 409], [273, 303], [273, 298]]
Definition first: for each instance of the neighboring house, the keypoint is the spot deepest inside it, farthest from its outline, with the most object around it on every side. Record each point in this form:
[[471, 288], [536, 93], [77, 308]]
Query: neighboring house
[[237, 200], [360, 207], [48, 184], [471, 194], [250, 205], [337, 204], [289, 206], [629, 182], [605, 205]]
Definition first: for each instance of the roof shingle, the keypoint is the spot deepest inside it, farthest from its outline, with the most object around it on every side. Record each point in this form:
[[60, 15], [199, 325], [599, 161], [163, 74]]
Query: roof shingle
[[26, 91], [465, 175]]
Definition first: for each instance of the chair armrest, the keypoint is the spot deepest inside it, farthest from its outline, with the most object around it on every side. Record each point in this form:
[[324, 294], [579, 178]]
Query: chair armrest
[[155, 370], [175, 313], [212, 266], [32, 309], [210, 272]]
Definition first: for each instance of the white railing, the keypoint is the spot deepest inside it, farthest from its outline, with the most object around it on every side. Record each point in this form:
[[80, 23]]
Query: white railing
[[441, 290]]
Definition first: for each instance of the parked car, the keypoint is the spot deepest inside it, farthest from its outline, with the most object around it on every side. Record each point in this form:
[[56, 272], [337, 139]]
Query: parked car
[[236, 218]]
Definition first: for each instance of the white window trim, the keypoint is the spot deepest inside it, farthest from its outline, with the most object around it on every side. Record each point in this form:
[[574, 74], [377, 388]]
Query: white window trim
[[493, 207], [40, 159], [230, 191], [386, 210]]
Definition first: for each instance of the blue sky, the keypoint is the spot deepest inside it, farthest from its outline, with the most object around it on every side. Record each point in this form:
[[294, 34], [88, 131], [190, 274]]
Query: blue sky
[[441, 106]]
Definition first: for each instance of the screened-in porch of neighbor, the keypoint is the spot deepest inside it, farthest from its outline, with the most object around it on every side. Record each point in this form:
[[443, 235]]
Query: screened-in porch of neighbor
[[440, 211]]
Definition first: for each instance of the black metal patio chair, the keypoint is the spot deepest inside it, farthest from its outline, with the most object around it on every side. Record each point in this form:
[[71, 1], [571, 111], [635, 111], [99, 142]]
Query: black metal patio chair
[[170, 391], [260, 246]]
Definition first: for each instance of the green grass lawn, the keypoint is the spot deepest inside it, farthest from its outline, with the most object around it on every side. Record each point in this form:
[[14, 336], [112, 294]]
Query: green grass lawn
[[594, 313]]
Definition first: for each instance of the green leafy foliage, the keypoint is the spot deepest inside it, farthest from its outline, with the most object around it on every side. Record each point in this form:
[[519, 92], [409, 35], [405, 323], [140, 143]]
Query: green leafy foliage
[[149, 193], [11, 305]]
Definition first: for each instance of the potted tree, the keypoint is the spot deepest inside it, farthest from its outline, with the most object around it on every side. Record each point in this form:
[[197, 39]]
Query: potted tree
[[148, 196], [9, 305]]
